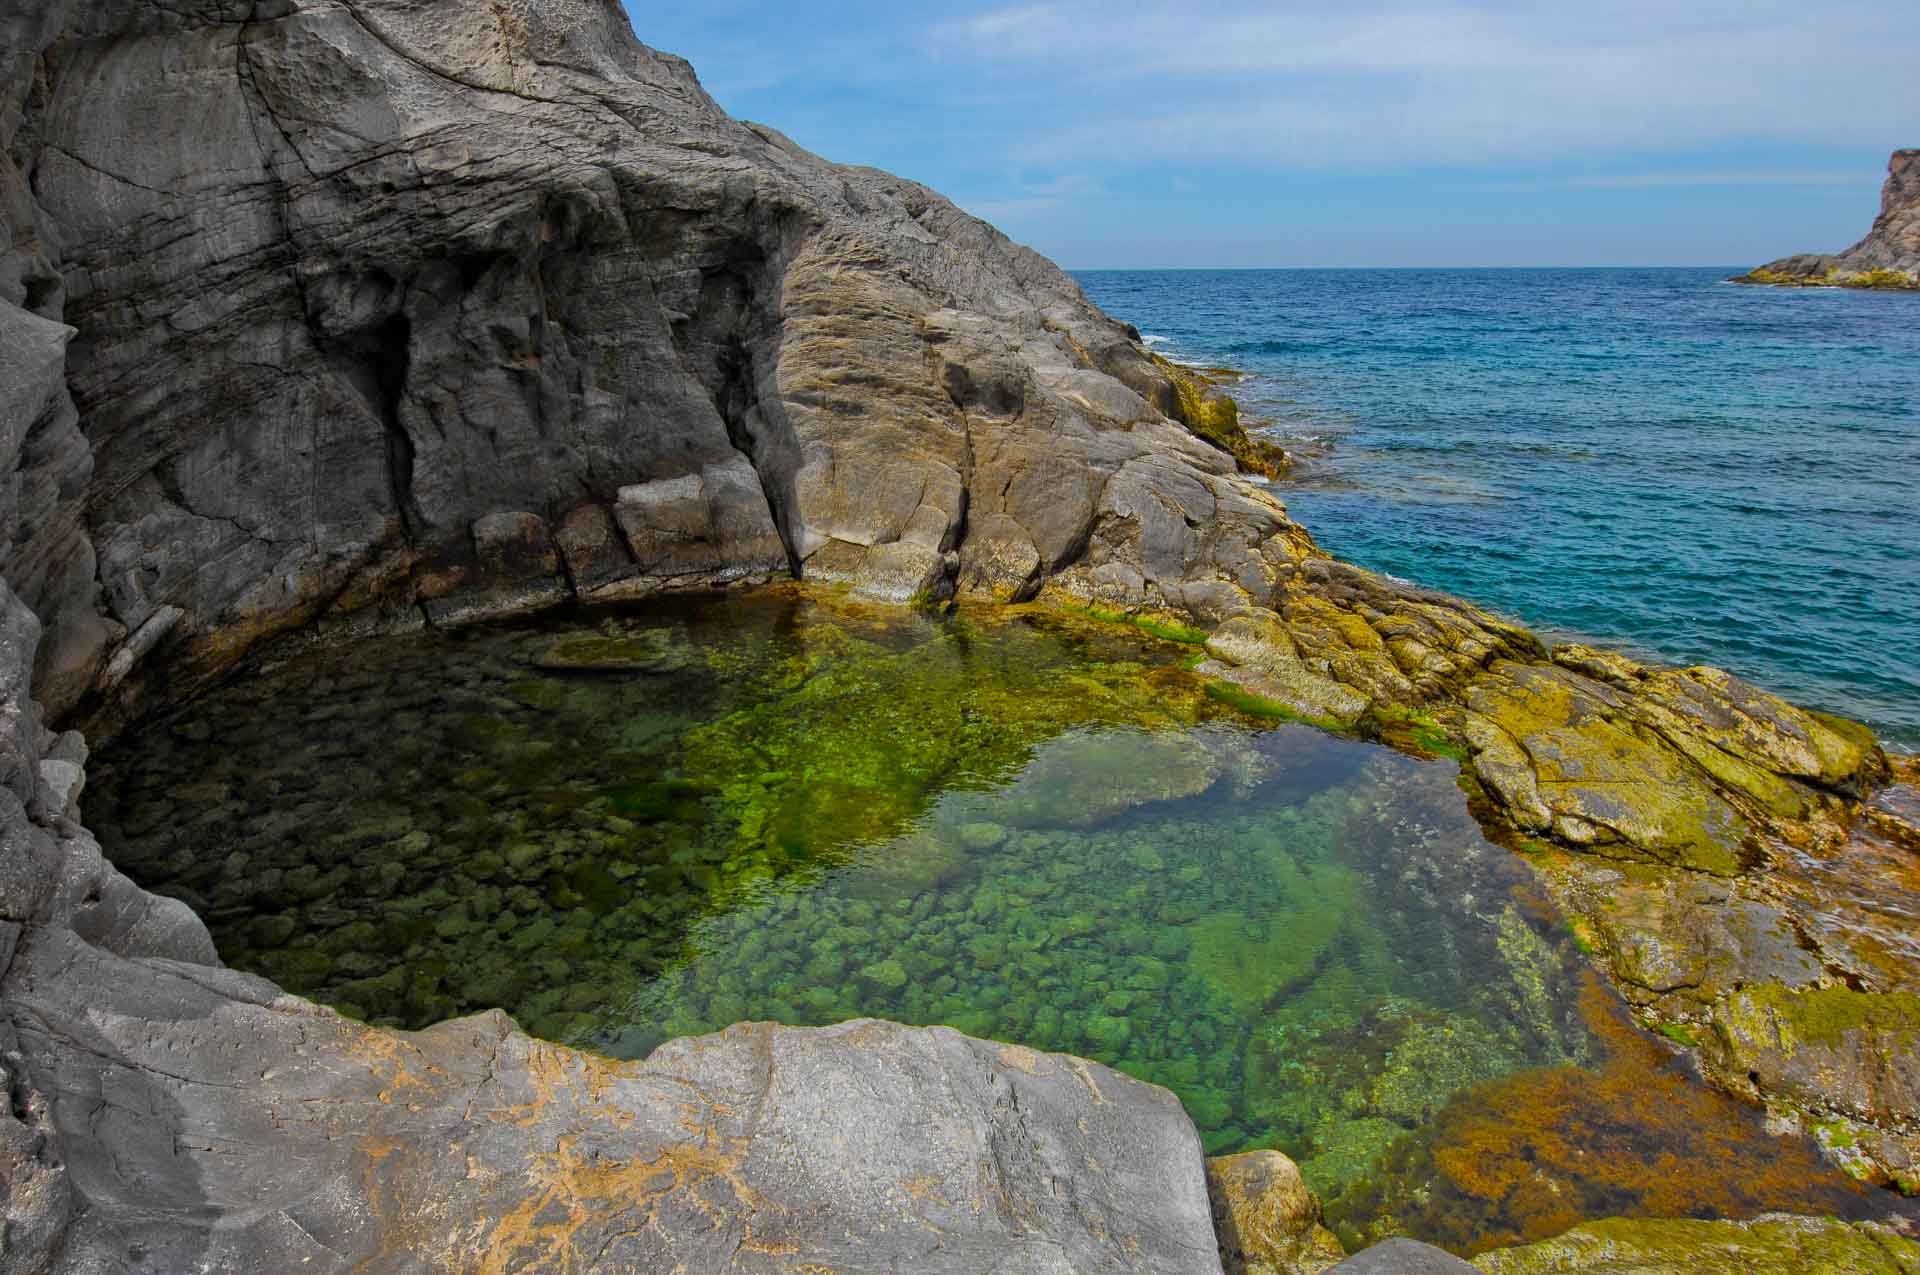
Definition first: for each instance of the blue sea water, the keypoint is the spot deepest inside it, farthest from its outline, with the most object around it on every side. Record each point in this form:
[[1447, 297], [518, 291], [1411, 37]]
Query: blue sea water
[[1657, 459]]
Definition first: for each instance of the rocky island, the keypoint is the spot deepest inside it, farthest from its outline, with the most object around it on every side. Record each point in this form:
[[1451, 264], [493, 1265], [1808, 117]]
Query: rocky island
[[328, 319], [1889, 256]]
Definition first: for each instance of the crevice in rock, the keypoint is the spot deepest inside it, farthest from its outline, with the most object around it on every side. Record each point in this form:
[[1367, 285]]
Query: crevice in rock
[[717, 344], [374, 361], [737, 399]]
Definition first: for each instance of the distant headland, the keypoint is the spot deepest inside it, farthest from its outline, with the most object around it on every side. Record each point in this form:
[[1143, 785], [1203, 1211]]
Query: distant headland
[[1889, 257]]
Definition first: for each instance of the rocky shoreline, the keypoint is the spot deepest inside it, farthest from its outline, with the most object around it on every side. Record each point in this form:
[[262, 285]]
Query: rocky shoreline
[[1887, 259], [325, 319]]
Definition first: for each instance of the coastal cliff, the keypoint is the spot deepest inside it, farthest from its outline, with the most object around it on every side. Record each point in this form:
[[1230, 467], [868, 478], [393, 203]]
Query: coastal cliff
[[1889, 256], [323, 318]]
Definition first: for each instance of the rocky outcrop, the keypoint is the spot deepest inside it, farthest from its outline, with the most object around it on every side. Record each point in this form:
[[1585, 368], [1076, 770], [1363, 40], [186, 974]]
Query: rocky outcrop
[[1889, 257], [361, 287], [1713, 844], [332, 317], [1687, 1246]]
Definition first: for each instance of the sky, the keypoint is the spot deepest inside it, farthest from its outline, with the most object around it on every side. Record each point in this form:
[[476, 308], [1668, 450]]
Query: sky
[[1138, 135]]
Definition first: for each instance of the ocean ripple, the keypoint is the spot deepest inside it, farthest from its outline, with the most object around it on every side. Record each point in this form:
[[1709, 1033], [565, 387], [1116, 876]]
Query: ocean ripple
[[1699, 473]]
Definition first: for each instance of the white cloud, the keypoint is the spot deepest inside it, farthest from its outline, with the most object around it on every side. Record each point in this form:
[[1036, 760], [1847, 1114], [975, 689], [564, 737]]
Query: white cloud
[[1402, 83], [1020, 200], [1753, 177]]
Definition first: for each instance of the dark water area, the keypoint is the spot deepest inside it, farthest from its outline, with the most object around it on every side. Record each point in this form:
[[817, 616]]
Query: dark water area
[[1704, 472], [624, 826]]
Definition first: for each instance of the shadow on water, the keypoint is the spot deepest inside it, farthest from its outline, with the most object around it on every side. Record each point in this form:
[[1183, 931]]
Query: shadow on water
[[625, 826]]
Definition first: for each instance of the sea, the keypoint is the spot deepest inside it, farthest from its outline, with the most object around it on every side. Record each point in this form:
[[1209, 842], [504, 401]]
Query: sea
[[1652, 459]]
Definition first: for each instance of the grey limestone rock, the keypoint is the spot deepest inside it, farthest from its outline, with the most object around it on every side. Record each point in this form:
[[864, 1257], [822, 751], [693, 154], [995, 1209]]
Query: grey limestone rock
[[1402, 1257], [212, 1123], [1893, 242], [352, 278]]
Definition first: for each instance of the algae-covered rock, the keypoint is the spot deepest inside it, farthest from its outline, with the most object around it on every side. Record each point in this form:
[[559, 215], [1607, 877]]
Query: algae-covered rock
[[638, 651], [1255, 651], [1266, 1220], [1252, 959], [1826, 1048], [1780, 1243], [860, 744], [1555, 749]]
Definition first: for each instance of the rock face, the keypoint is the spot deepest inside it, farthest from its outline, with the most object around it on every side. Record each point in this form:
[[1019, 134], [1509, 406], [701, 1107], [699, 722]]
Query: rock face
[[363, 287], [1889, 257], [211, 1122]]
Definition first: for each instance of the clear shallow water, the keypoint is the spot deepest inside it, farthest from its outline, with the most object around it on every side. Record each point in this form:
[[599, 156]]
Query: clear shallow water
[[1705, 472], [626, 826]]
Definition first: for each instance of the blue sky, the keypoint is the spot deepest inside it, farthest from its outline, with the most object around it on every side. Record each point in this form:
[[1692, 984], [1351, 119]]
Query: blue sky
[[1344, 134]]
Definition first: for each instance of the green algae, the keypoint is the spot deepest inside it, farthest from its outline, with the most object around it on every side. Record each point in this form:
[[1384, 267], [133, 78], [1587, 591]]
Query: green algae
[[1680, 1035], [1028, 824], [1715, 1247], [1164, 628], [1245, 701]]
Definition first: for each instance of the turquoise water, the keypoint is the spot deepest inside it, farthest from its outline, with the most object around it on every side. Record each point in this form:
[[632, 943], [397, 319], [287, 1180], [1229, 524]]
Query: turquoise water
[[629, 824], [1703, 472]]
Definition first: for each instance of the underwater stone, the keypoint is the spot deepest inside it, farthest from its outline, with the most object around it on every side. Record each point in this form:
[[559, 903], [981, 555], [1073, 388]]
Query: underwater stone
[[888, 974], [981, 835]]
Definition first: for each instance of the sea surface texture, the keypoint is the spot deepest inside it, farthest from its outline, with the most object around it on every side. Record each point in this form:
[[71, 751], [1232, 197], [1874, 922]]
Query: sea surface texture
[[1698, 471]]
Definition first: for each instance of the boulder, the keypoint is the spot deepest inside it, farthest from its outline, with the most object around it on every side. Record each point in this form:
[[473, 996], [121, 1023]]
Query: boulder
[[1267, 1221]]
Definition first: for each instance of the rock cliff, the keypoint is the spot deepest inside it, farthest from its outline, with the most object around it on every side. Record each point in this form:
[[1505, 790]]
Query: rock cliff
[[1889, 257], [388, 313], [323, 317]]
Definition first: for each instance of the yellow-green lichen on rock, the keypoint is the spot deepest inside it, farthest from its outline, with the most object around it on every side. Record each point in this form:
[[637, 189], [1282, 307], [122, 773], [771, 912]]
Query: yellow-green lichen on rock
[[1560, 757], [1826, 1048], [1774, 1243], [1215, 417], [1266, 1220]]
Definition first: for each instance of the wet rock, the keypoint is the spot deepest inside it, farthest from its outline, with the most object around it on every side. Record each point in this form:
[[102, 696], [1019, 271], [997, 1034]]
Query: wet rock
[[1402, 1257], [1826, 1048], [592, 550], [1685, 1246], [1266, 1220]]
